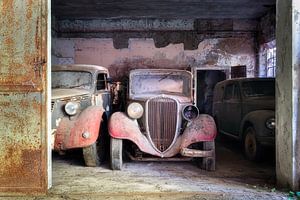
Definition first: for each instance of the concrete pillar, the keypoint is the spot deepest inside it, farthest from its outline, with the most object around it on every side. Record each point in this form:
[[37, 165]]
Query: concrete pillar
[[287, 94]]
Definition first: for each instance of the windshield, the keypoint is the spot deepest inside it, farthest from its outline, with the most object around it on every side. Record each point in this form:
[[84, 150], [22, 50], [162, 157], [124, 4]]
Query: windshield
[[258, 88], [71, 79], [161, 83]]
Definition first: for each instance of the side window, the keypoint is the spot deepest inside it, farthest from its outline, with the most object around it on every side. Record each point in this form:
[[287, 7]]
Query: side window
[[101, 81], [236, 92], [228, 92], [232, 92]]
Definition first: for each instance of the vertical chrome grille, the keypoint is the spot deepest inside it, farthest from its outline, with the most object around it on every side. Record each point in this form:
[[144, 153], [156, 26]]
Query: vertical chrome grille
[[162, 121]]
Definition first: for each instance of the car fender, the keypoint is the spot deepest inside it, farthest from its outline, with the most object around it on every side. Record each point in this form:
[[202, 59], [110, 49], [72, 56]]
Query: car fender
[[122, 127], [202, 129], [257, 119], [79, 131]]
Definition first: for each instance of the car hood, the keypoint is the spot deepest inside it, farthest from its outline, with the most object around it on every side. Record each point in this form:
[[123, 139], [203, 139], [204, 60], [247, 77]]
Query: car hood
[[67, 93]]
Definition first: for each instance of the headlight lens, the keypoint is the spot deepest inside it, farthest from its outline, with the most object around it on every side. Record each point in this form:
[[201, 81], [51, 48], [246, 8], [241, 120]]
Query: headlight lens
[[72, 108], [135, 110], [190, 112], [270, 123]]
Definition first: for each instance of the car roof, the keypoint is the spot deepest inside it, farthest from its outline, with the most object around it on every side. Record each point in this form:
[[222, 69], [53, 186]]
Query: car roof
[[235, 80], [136, 71], [79, 67]]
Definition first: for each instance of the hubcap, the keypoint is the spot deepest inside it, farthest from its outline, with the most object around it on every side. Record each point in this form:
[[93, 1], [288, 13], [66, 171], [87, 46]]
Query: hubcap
[[250, 145]]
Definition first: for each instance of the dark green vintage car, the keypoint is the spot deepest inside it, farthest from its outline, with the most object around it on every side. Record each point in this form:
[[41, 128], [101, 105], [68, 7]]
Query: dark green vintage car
[[244, 109]]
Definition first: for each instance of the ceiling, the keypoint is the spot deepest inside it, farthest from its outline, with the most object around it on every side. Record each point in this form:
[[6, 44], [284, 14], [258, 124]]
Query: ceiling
[[165, 9]]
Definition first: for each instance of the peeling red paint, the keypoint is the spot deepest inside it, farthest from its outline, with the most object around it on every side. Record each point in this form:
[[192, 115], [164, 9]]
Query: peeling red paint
[[69, 132]]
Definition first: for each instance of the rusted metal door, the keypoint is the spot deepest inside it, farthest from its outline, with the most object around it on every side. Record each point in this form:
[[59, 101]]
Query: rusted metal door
[[23, 96]]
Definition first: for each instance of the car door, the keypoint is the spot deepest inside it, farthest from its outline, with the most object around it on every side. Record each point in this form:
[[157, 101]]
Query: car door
[[231, 109]]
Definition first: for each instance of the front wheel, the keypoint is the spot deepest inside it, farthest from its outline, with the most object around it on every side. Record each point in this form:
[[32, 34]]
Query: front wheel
[[90, 155], [206, 163], [95, 153], [116, 151], [252, 147], [209, 163]]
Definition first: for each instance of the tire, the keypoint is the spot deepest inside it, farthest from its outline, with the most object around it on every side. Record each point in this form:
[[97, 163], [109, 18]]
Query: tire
[[252, 148], [209, 163], [90, 155], [94, 154], [116, 151], [206, 163]]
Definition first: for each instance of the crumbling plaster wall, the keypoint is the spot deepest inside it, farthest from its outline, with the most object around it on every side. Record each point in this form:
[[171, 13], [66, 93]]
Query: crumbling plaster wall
[[143, 53], [267, 27]]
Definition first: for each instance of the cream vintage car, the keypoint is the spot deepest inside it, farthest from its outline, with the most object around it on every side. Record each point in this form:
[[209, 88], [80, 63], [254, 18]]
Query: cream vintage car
[[161, 122]]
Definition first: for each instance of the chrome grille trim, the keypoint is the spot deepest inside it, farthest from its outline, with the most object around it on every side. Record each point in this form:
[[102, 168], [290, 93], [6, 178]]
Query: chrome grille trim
[[162, 122]]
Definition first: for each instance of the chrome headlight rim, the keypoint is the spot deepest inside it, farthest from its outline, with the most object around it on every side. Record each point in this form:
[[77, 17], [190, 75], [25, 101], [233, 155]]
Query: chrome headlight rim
[[72, 108], [270, 123], [184, 110], [135, 110]]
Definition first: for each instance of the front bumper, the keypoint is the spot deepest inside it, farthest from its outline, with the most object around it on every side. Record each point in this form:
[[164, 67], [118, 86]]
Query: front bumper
[[196, 153]]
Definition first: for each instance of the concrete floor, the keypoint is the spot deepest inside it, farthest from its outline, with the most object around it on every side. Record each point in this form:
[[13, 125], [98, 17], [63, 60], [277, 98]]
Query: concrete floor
[[235, 178]]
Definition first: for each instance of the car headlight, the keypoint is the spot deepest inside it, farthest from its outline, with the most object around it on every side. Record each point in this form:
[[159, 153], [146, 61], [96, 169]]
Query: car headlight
[[190, 112], [270, 123], [72, 108], [135, 110]]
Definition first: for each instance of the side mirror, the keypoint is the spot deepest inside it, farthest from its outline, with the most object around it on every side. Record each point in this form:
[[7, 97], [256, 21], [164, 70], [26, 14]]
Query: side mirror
[[109, 80]]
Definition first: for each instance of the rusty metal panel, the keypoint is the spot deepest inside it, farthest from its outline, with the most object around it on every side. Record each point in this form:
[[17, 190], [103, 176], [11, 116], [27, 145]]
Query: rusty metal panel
[[23, 107], [20, 138], [21, 45]]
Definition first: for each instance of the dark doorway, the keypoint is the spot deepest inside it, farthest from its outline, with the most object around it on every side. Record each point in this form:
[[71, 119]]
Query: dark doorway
[[206, 81]]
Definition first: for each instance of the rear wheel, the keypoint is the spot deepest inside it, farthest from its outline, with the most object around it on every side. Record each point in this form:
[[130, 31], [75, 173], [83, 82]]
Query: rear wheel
[[252, 148], [116, 151]]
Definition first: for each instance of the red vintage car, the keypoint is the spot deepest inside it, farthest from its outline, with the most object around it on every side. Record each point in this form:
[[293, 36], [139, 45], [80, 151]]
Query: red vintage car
[[80, 107], [161, 121]]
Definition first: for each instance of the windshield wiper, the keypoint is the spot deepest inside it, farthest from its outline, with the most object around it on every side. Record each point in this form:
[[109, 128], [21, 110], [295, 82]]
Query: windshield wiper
[[165, 76], [75, 86]]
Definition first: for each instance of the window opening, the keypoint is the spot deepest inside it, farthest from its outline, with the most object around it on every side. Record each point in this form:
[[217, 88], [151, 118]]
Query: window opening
[[101, 81]]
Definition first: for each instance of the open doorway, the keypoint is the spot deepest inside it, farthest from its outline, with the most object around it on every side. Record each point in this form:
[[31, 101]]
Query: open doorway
[[205, 83]]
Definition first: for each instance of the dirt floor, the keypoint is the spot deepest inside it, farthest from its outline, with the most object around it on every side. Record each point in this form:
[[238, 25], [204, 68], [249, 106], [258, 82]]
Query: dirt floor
[[234, 178]]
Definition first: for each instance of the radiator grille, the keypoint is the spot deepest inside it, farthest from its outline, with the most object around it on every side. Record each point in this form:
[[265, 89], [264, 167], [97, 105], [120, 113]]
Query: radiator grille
[[162, 119]]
